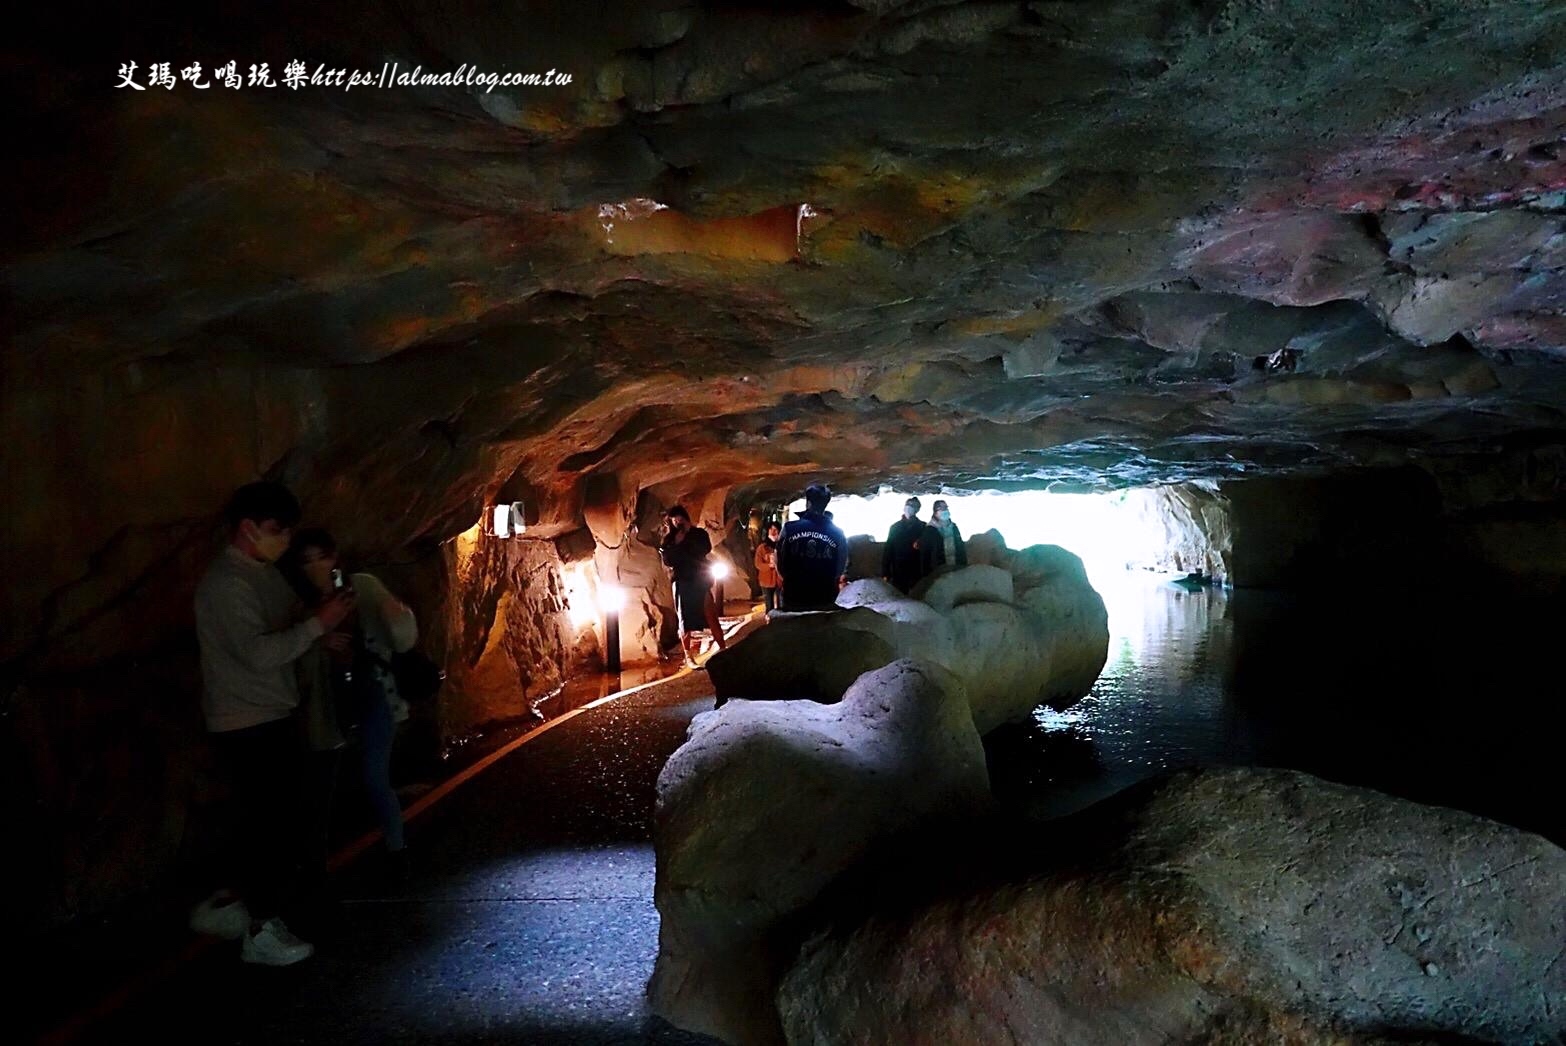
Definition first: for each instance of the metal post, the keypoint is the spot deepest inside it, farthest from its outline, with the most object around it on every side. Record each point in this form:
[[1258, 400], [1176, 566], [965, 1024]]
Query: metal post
[[612, 641]]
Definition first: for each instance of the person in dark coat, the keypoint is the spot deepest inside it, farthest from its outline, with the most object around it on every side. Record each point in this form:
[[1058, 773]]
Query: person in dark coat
[[684, 551], [812, 555], [941, 543], [900, 562]]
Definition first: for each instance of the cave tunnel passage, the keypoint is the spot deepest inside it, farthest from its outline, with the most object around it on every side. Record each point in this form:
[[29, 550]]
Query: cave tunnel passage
[[530, 912], [1284, 310]]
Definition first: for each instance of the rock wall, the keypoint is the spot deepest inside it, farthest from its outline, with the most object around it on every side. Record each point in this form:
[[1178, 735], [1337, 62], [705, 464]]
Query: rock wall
[[1237, 905], [1494, 524], [1193, 524], [508, 615]]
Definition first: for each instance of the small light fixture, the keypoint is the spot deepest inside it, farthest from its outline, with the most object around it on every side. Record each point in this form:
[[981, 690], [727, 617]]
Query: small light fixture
[[502, 521], [720, 570]]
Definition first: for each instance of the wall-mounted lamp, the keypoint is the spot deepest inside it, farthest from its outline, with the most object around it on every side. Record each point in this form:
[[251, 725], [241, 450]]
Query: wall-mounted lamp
[[501, 525], [505, 521]]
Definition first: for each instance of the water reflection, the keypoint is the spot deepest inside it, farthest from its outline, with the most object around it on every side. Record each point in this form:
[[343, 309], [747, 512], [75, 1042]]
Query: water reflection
[[1417, 694]]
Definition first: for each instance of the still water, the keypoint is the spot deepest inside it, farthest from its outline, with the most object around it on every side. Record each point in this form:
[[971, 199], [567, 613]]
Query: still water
[[1436, 696]]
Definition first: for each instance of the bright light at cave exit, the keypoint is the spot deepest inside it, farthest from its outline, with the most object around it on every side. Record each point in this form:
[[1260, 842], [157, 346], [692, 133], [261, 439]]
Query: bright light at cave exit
[[1107, 530]]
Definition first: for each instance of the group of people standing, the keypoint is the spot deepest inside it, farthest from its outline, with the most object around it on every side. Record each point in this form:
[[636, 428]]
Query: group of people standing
[[296, 657], [802, 564], [915, 548]]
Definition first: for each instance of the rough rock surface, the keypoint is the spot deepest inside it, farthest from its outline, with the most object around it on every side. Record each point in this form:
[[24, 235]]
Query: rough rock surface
[[768, 802], [1011, 652], [1231, 906], [409, 301]]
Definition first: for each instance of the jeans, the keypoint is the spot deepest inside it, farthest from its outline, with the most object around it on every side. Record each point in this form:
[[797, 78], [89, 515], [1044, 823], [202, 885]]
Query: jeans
[[375, 747], [770, 596]]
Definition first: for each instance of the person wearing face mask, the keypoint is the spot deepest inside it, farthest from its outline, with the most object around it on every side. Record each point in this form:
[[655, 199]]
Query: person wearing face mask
[[250, 636], [941, 543], [900, 563]]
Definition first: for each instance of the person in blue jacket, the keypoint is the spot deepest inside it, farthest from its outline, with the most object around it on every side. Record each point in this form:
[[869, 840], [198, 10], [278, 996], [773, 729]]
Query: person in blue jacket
[[812, 555]]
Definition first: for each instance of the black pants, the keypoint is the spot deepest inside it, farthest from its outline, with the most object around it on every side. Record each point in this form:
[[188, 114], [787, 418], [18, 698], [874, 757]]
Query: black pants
[[269, 831]]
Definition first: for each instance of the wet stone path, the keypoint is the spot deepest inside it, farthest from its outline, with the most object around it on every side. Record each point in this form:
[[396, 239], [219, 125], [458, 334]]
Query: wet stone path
[[526, 915]]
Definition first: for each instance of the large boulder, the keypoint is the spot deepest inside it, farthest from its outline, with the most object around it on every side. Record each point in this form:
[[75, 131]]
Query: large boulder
[[946, 589], [1237, 905], [867, 592], [766, 803], [815, 655], [989, 549], [1015, 640]]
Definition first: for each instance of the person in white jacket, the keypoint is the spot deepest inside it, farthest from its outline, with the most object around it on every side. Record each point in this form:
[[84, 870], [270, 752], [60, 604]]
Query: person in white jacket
[[382, 625]]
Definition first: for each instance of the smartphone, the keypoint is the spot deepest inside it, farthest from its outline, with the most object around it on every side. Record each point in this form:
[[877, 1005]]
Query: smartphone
[[337, 579]]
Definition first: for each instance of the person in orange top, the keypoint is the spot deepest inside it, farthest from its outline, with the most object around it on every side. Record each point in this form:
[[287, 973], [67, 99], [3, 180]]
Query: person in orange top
[[767, 567]]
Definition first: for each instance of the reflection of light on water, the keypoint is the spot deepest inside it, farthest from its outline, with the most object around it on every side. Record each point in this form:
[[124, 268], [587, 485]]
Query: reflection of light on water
[[1158, 703], [1052, 721]]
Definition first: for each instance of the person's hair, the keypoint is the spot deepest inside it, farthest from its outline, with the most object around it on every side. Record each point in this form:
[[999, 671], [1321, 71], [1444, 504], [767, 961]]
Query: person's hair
[[939, 505], [261, 502], [679, 510], [817, 495], [773, 524], [311, 537], [915, 502]]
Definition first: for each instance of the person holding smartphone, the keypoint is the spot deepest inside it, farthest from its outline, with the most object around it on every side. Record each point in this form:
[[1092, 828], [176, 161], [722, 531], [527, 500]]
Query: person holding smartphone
[[353, 667], [684, 550]]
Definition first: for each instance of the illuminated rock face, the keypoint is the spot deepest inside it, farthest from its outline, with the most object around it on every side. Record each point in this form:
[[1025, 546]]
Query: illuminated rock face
[[1236, 905]]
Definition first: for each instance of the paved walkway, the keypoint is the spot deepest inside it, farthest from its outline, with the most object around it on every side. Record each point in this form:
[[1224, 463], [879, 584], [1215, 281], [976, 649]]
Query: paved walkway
[[527, 916]]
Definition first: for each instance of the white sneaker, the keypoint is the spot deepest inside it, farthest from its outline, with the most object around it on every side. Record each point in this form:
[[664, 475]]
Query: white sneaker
[[274, 945], [216, 917]]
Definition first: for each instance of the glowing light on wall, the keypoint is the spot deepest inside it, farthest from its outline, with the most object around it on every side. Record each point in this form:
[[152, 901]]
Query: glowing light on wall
[[720, 570], [580, 604], [611, 598], [502, 521]]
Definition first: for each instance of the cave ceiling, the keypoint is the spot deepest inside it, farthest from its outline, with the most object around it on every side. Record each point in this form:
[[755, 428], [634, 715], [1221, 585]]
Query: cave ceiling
[[966, 245]]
